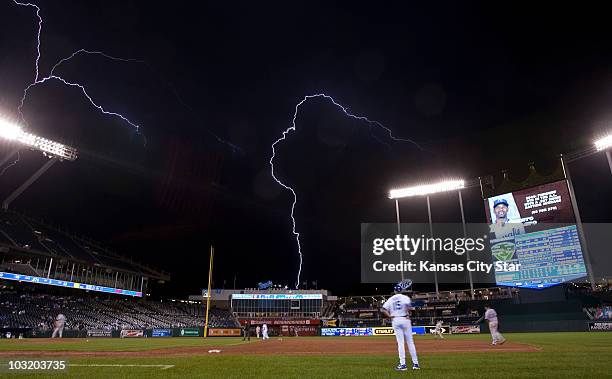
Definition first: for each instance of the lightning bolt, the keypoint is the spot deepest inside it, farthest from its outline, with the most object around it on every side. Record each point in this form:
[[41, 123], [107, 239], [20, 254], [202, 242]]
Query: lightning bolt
[[53, 76], [83, 90], [292, 128], [40, 22], [36, 66]]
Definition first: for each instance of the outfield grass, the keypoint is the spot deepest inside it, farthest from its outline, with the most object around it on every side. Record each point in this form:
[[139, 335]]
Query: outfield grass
[[562, 355]]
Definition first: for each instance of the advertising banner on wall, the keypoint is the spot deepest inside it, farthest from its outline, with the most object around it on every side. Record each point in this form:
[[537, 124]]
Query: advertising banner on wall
[[346, 332], [269, 322], [161, 333], [67, 284], [234, 332], [600, 326], [465, 329], [189, 332], [99, 333], [374, 331], [129, 333], [383, 331], [299, 330]]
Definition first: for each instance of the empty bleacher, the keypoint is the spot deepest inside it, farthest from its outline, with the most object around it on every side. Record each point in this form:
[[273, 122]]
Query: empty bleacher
[[31, 236], [35, 310]]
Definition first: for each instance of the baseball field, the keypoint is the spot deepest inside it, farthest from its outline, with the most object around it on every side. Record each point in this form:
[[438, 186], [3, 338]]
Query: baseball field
[[525, 355]]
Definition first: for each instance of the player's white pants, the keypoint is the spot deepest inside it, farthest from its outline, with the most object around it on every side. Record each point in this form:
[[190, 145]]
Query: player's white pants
[[403, 332], [57, 331], [439, 333], [497, 337], [265, 335]]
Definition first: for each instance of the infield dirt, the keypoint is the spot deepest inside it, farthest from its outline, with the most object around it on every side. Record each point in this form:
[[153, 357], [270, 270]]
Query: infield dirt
[[301, 346]]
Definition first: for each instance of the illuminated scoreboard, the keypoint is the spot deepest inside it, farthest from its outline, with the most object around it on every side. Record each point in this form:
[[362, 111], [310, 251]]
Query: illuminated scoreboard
[[546, 258], [536, 229]]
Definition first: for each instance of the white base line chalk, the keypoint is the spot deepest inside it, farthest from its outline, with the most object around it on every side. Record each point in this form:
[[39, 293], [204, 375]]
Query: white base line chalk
[[163, 367]]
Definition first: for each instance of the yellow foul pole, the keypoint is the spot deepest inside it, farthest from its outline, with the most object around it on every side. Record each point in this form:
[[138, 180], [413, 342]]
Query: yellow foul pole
[[210, 268]]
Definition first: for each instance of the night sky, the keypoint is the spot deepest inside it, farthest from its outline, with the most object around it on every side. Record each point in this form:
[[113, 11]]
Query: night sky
[[480, 88]]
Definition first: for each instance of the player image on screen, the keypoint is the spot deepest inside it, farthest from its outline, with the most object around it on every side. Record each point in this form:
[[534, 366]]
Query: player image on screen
[[502, 226]]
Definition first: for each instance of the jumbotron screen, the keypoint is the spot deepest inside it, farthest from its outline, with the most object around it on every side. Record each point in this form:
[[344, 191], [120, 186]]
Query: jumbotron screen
[[535, 228]]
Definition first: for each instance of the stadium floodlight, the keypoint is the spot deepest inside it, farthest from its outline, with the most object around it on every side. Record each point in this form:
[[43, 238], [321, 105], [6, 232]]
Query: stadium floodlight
[[54, 150], [603, 143], [15, 133], [427, 189], [424, 190]]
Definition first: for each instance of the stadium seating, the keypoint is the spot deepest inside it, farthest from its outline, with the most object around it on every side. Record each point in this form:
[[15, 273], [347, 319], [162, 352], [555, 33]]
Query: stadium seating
[[30, 310], [34, 235], [18, 233], [362, 311]]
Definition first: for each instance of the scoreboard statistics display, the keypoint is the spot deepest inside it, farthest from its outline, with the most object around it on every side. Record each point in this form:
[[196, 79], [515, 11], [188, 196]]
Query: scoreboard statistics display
[[535, 228]]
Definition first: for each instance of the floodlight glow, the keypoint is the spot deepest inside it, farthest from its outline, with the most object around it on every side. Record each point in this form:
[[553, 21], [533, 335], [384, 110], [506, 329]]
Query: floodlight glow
[[603, 143], [427, 189], [15, 133], [9, 131]]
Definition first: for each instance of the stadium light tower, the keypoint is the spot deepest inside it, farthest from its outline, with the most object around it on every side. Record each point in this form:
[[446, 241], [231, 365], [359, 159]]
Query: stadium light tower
[[426, 190], [15, 133], [54, 150], [604, 144]]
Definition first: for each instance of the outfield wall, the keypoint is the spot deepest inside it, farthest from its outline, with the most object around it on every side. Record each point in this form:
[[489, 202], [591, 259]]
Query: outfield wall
[[540, 326], [126, 333]]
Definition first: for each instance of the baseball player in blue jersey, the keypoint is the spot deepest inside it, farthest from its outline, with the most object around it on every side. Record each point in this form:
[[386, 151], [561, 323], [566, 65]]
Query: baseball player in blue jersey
[[397, 307]]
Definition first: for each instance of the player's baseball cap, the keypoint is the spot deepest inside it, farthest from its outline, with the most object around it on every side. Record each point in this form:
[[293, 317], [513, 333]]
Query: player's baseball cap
[[498, 202]]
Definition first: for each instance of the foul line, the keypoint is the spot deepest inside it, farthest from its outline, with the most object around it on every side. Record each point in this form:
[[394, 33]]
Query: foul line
[[163, 367]]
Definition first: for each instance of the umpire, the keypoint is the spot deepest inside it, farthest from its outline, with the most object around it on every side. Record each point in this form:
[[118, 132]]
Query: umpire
[[246, 331]]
